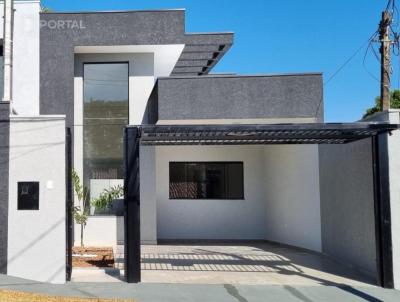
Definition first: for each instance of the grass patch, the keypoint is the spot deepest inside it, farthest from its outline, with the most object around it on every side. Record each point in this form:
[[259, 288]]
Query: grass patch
[[14, 296]]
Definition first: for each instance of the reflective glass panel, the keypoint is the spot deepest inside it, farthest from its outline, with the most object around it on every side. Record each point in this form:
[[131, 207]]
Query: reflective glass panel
[[105, 114]]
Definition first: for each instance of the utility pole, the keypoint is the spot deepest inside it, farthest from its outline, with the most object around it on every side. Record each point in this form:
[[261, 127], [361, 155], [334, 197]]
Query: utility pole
[[384, 37], [8, 50]]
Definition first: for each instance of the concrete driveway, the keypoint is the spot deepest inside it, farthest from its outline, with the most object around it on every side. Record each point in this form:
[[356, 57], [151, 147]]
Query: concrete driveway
[[254, 263]]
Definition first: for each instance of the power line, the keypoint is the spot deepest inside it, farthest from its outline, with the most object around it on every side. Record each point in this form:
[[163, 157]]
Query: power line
[[371, 47], [346, 62], [391, 6], [350, 58]]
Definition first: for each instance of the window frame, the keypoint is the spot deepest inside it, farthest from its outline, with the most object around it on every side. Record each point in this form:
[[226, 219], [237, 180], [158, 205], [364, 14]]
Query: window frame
[[242, 197]]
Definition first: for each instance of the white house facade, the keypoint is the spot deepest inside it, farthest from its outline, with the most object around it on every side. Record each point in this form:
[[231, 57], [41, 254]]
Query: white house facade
[[220, 156]]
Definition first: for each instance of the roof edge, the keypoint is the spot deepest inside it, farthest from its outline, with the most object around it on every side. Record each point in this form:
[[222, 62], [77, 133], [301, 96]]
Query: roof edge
[[210, 33], [242, 75], [113, 11]]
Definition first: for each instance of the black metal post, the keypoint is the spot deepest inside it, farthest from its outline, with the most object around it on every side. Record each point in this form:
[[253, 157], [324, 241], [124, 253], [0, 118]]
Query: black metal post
[[383, 231], [132, 205], [69, 203]]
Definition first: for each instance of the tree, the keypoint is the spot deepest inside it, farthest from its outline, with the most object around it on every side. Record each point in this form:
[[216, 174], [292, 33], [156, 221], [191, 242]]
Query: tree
[[394, 103], [80, 212], [105, 200]]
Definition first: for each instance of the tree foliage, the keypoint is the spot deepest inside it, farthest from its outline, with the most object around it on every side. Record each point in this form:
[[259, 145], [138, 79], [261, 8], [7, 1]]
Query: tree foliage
[[81, 211], [106, 198], [394, 103]]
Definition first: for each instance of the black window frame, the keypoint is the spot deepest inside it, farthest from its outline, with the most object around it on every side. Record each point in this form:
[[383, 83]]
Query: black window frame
[[242, 197]]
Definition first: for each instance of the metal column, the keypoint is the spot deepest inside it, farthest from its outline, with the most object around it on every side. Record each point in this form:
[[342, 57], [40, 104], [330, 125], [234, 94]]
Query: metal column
[[69, 203], [383, 231], [132, 205]]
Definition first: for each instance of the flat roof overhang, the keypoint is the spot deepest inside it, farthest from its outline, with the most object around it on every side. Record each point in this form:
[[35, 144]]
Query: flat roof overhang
[[313, 133]]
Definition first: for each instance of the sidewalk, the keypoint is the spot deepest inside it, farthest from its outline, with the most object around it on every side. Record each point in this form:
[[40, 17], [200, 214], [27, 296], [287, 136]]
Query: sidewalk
[[204, 293]]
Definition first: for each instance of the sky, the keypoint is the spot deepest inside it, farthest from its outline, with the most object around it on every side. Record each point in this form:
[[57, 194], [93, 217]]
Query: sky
[[291, 36]]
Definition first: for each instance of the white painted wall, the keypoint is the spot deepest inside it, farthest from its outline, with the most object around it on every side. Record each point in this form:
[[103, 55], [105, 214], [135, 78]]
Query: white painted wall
[[281, 203], [37, 244], [146, 63], [26, 56], [212, 219], [101, 231], [292, 195], [148, 195]]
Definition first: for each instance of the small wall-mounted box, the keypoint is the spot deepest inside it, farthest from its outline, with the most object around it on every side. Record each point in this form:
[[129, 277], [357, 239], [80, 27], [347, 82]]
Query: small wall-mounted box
[[28, 195]]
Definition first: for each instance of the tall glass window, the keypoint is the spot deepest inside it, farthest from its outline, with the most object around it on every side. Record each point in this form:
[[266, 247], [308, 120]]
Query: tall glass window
[[105, 114]]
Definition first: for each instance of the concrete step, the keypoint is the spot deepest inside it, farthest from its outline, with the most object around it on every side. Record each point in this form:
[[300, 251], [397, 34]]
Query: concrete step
[[97, 275]]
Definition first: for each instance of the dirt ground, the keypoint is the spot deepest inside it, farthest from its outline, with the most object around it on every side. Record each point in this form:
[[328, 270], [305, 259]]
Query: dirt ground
[[14, 296], [92, 257]]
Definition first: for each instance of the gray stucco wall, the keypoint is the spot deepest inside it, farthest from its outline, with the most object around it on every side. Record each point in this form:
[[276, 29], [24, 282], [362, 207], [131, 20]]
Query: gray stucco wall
[[239, 97], [347, 205], [151, 112], [117, 28], [4, 168]]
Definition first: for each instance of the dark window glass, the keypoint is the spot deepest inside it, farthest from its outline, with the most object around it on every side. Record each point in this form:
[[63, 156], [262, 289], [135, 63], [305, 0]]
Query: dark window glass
[[235, 180], [28, 195], [105, 114], [178, 187], [206, 180]]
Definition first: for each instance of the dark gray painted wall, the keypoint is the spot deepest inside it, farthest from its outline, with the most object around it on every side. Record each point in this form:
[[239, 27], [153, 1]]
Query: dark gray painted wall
[[4, 168], [151, 113], [234, 97], [119, 28], [347, 204]]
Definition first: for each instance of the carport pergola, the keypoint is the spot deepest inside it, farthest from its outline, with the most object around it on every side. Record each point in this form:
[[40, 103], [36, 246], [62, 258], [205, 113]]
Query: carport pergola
[[316, 133]]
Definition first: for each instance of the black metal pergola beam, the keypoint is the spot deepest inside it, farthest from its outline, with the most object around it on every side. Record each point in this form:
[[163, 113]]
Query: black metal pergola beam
[[316, 133]]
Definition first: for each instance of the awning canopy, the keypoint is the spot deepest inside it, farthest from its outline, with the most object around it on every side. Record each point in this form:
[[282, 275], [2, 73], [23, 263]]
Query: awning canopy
[[315, 133]]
